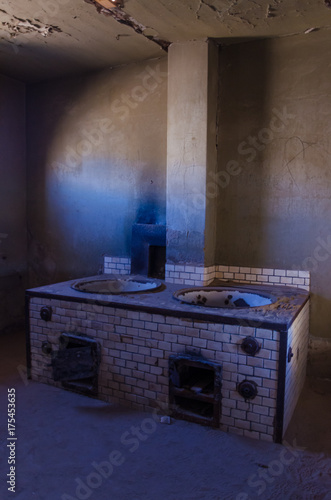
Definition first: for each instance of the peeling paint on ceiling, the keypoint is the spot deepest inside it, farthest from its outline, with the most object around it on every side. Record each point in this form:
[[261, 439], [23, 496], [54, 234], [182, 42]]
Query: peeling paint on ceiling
[[35, 44], [15, 26]]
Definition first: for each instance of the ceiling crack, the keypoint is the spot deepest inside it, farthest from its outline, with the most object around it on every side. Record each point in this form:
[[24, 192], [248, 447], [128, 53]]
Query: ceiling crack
[[121, 17]]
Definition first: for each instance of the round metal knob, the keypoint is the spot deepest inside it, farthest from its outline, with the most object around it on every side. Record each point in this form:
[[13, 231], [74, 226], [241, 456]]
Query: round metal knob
[[250, 346], [46, 313], [247, 389], [46, 347]]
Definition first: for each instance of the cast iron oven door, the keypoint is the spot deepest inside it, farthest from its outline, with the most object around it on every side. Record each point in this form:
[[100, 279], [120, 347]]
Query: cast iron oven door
[[76, 364], [195, 389]]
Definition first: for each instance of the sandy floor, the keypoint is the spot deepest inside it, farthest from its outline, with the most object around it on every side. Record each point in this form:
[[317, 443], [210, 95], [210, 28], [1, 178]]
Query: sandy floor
[[70, 447]]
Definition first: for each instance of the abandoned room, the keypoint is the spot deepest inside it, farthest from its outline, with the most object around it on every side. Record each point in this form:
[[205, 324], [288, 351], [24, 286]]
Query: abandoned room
[[165, 249]]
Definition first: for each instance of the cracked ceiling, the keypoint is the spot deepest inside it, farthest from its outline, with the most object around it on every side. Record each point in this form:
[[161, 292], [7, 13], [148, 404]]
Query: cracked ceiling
[[44, 39]]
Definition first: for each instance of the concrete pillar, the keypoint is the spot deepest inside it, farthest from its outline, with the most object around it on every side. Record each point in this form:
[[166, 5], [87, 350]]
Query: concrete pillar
[[191, 153]]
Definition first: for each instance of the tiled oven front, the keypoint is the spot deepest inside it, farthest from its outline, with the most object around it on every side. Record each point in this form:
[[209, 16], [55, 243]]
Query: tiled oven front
[[135, 348]]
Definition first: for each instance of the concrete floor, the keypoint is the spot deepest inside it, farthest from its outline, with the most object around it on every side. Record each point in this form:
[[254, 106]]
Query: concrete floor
[[71, 447]]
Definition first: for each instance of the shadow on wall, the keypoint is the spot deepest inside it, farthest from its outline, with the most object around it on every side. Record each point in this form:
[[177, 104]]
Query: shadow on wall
[[243, 113], [261, 207], [13, 244], [47, 105], [319, 358], [98, 163], [274, 205], [12, 291]]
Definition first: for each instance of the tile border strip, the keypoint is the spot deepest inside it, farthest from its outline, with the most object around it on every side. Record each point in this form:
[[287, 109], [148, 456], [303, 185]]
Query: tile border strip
[[189, 274], [195, 276]]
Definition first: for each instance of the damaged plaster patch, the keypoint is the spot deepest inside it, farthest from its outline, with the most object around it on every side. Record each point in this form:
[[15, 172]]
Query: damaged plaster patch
[[121, 17], [271, 11], [218, 12], [230, 9], [16, 26]]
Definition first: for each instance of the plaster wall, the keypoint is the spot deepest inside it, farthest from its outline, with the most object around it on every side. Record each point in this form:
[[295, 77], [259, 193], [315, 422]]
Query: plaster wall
[[191, 151], [274, 178], [13, 244], [97, 164]]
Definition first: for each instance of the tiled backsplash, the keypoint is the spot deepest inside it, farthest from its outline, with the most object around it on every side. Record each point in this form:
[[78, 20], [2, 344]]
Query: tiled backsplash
[[117, 265], [196, 276], [189, 275]]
